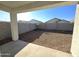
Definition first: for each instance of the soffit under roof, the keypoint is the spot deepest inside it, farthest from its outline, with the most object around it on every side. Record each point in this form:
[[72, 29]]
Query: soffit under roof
[[13, 4]]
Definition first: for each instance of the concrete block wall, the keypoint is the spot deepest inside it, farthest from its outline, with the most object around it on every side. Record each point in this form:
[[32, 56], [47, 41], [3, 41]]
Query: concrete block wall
[[48, 26], [51, 26], [25, 27], [41, 26], [56, 26], [5, 29], [65, 26]]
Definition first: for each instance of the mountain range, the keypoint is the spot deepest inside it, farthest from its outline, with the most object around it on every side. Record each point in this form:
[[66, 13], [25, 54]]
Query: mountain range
[[54, 20]]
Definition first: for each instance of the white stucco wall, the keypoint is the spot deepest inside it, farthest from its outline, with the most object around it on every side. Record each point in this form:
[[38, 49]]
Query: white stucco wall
[[75, 38]]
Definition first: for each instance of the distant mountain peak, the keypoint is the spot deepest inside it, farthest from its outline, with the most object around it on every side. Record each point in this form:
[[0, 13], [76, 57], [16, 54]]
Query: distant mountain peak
[[55, 20], [35, 21]]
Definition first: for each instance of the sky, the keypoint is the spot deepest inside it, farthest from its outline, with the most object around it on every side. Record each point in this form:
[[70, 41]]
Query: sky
[[4, 16], [64, 12]]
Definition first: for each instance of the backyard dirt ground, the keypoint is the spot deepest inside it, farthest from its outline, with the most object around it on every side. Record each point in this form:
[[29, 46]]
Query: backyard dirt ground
[[50, 39]]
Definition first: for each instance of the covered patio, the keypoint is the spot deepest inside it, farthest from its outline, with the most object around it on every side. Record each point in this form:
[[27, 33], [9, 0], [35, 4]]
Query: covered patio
[[19, 7]]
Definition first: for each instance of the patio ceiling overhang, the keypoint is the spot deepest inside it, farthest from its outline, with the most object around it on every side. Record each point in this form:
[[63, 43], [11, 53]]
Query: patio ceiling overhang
[[25, 6]]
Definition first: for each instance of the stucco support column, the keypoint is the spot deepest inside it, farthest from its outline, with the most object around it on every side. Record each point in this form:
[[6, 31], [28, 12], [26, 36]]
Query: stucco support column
[[14, 25], [75, 38]]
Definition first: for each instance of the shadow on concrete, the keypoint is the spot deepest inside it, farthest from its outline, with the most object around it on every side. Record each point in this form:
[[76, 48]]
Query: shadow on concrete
[[6, 40]]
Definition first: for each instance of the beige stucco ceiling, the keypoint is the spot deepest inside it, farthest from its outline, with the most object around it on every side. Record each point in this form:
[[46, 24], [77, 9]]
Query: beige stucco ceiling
[[24, 6], [13, 4]]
